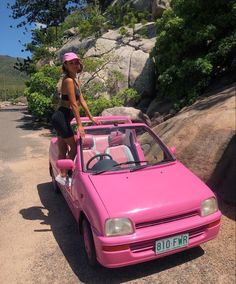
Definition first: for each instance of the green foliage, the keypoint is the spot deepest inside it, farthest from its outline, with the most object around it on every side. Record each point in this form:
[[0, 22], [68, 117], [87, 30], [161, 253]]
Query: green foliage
[[123, 15], [47, 12], [89, 21], [127, 97], [91, 64], [44, 81], [26, 66], [112, 83], [123, 31], [39, 105], [39, 90], [72, 20], [196, 41], [96, 106], [143, 31]]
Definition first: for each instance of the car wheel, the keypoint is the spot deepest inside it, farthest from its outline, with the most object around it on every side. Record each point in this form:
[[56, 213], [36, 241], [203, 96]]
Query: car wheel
[[54, 182], [89, 243]]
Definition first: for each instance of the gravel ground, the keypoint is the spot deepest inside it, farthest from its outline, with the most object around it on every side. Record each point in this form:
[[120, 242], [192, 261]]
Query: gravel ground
[[39, 242]]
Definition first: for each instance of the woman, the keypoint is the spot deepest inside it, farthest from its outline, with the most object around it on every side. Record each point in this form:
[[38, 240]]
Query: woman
[[68, 109]]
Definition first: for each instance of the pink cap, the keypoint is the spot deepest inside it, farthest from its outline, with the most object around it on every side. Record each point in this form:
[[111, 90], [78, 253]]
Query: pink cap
[[69, 56]]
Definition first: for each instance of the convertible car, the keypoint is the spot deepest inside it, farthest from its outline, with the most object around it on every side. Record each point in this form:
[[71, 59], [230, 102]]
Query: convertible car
[[132, 199]]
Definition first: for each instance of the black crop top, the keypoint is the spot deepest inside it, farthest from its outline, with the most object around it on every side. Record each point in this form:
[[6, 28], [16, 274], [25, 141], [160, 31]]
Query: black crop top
[[77, 93]]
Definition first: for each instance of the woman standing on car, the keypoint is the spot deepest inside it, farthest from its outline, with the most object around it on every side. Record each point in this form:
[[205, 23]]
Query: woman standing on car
[[68, 109]]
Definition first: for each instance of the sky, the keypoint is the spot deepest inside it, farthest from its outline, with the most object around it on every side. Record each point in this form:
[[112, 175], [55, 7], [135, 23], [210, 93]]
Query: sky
[[9, 41]]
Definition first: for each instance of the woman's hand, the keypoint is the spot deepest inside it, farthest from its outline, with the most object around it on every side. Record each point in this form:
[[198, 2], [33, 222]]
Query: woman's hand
[[81, 131], [95, 121]]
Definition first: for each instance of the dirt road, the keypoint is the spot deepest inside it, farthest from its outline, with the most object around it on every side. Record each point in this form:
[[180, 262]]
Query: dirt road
[[39, 241]]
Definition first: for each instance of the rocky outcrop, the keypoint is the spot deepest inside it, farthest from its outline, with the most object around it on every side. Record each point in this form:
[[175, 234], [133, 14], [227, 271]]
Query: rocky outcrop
[[128, 55], [204, 135], [155, 7], [134, 114]]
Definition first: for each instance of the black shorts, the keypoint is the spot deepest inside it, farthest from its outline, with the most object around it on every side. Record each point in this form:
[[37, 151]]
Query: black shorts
[[61, 122]]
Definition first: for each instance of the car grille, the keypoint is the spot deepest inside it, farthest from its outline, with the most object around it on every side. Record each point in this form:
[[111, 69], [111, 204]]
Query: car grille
[[166, 220], [150, 244]]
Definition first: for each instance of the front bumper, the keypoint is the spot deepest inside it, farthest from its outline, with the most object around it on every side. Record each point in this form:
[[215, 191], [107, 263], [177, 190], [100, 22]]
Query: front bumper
[[140, 247]]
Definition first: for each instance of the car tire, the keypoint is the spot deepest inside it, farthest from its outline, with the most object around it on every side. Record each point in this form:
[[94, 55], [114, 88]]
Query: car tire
[[54, 182], [88, 243]]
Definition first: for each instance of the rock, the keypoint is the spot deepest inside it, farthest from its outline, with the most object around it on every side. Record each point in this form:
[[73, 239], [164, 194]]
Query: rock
[[204, 135], [101, 47], [74, 45], [141, 72], [157, 106], [144, 103], [21, 101], [158, 7], [155, 7], [157, 119], [126, 56], [134, 114], [40, 63], [71, 32], [148, 29]]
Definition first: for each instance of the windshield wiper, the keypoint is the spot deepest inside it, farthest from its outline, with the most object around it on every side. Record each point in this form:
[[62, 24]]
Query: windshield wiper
[[139, 168], [117, 165], [149, 165]]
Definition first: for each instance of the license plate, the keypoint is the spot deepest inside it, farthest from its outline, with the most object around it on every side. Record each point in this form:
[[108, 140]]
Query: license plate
[[172, 243]]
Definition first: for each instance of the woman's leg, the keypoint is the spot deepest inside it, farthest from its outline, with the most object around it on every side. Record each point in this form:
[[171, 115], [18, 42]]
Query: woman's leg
[[62, 147], [72, 144]]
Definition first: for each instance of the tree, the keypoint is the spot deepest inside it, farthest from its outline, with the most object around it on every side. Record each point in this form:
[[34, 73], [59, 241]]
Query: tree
[[102, 3], [196, 42], [46, 12]]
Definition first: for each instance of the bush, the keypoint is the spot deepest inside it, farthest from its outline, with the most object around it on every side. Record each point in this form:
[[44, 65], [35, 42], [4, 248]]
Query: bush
[[39, 105], [196, 42], [96, 106], [127, 97], [39, 90]]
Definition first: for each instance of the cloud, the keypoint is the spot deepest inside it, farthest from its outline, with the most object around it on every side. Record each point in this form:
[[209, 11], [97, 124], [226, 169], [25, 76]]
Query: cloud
[[40, 26]]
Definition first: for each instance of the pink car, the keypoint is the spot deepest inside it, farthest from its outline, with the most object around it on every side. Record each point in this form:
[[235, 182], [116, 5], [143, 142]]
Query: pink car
[[132, 199]]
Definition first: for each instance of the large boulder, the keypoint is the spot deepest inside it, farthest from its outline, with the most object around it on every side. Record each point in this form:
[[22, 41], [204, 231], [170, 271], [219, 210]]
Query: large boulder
[[134, 114], [129, 56], [74, 44], [204, 135], [155, 7]]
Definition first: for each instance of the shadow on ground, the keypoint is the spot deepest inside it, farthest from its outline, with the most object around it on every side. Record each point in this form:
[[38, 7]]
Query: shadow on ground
[[223, 180], [65, 232]]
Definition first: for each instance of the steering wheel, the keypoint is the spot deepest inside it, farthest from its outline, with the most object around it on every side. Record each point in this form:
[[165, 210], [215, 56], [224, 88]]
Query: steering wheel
[[100, 156]]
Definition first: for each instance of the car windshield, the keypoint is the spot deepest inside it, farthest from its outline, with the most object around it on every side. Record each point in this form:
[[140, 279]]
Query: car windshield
[[116, 148]]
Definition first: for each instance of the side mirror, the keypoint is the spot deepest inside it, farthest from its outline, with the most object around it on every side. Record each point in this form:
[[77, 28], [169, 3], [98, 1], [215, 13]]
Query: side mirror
[[65, 164], [173, 150]]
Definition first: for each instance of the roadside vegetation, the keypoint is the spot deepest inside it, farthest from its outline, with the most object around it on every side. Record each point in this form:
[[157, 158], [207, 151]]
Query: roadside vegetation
[[12, 81], [196, 44]]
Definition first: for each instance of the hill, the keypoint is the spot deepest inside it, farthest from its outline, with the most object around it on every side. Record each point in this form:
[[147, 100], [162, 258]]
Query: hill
[[12, 82]]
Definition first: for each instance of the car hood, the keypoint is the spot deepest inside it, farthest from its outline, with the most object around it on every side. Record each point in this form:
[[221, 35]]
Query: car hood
[[150, 193]]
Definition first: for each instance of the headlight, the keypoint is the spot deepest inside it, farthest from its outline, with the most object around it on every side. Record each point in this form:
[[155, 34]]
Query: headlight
[[209, 206], [118, 227]]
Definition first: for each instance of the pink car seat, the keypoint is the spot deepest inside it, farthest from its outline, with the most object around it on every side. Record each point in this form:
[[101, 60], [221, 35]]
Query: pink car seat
[[88, 150], [119, 152]]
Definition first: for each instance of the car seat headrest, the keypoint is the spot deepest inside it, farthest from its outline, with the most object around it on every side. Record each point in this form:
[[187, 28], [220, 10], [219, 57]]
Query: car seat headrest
[[88, 142], [115, 138]]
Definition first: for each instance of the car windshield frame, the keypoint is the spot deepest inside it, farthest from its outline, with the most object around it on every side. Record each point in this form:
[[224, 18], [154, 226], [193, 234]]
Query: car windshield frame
[[139, 164]]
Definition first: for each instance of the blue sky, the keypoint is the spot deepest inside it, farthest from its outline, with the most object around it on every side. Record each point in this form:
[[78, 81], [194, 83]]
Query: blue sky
[[9, 43]]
